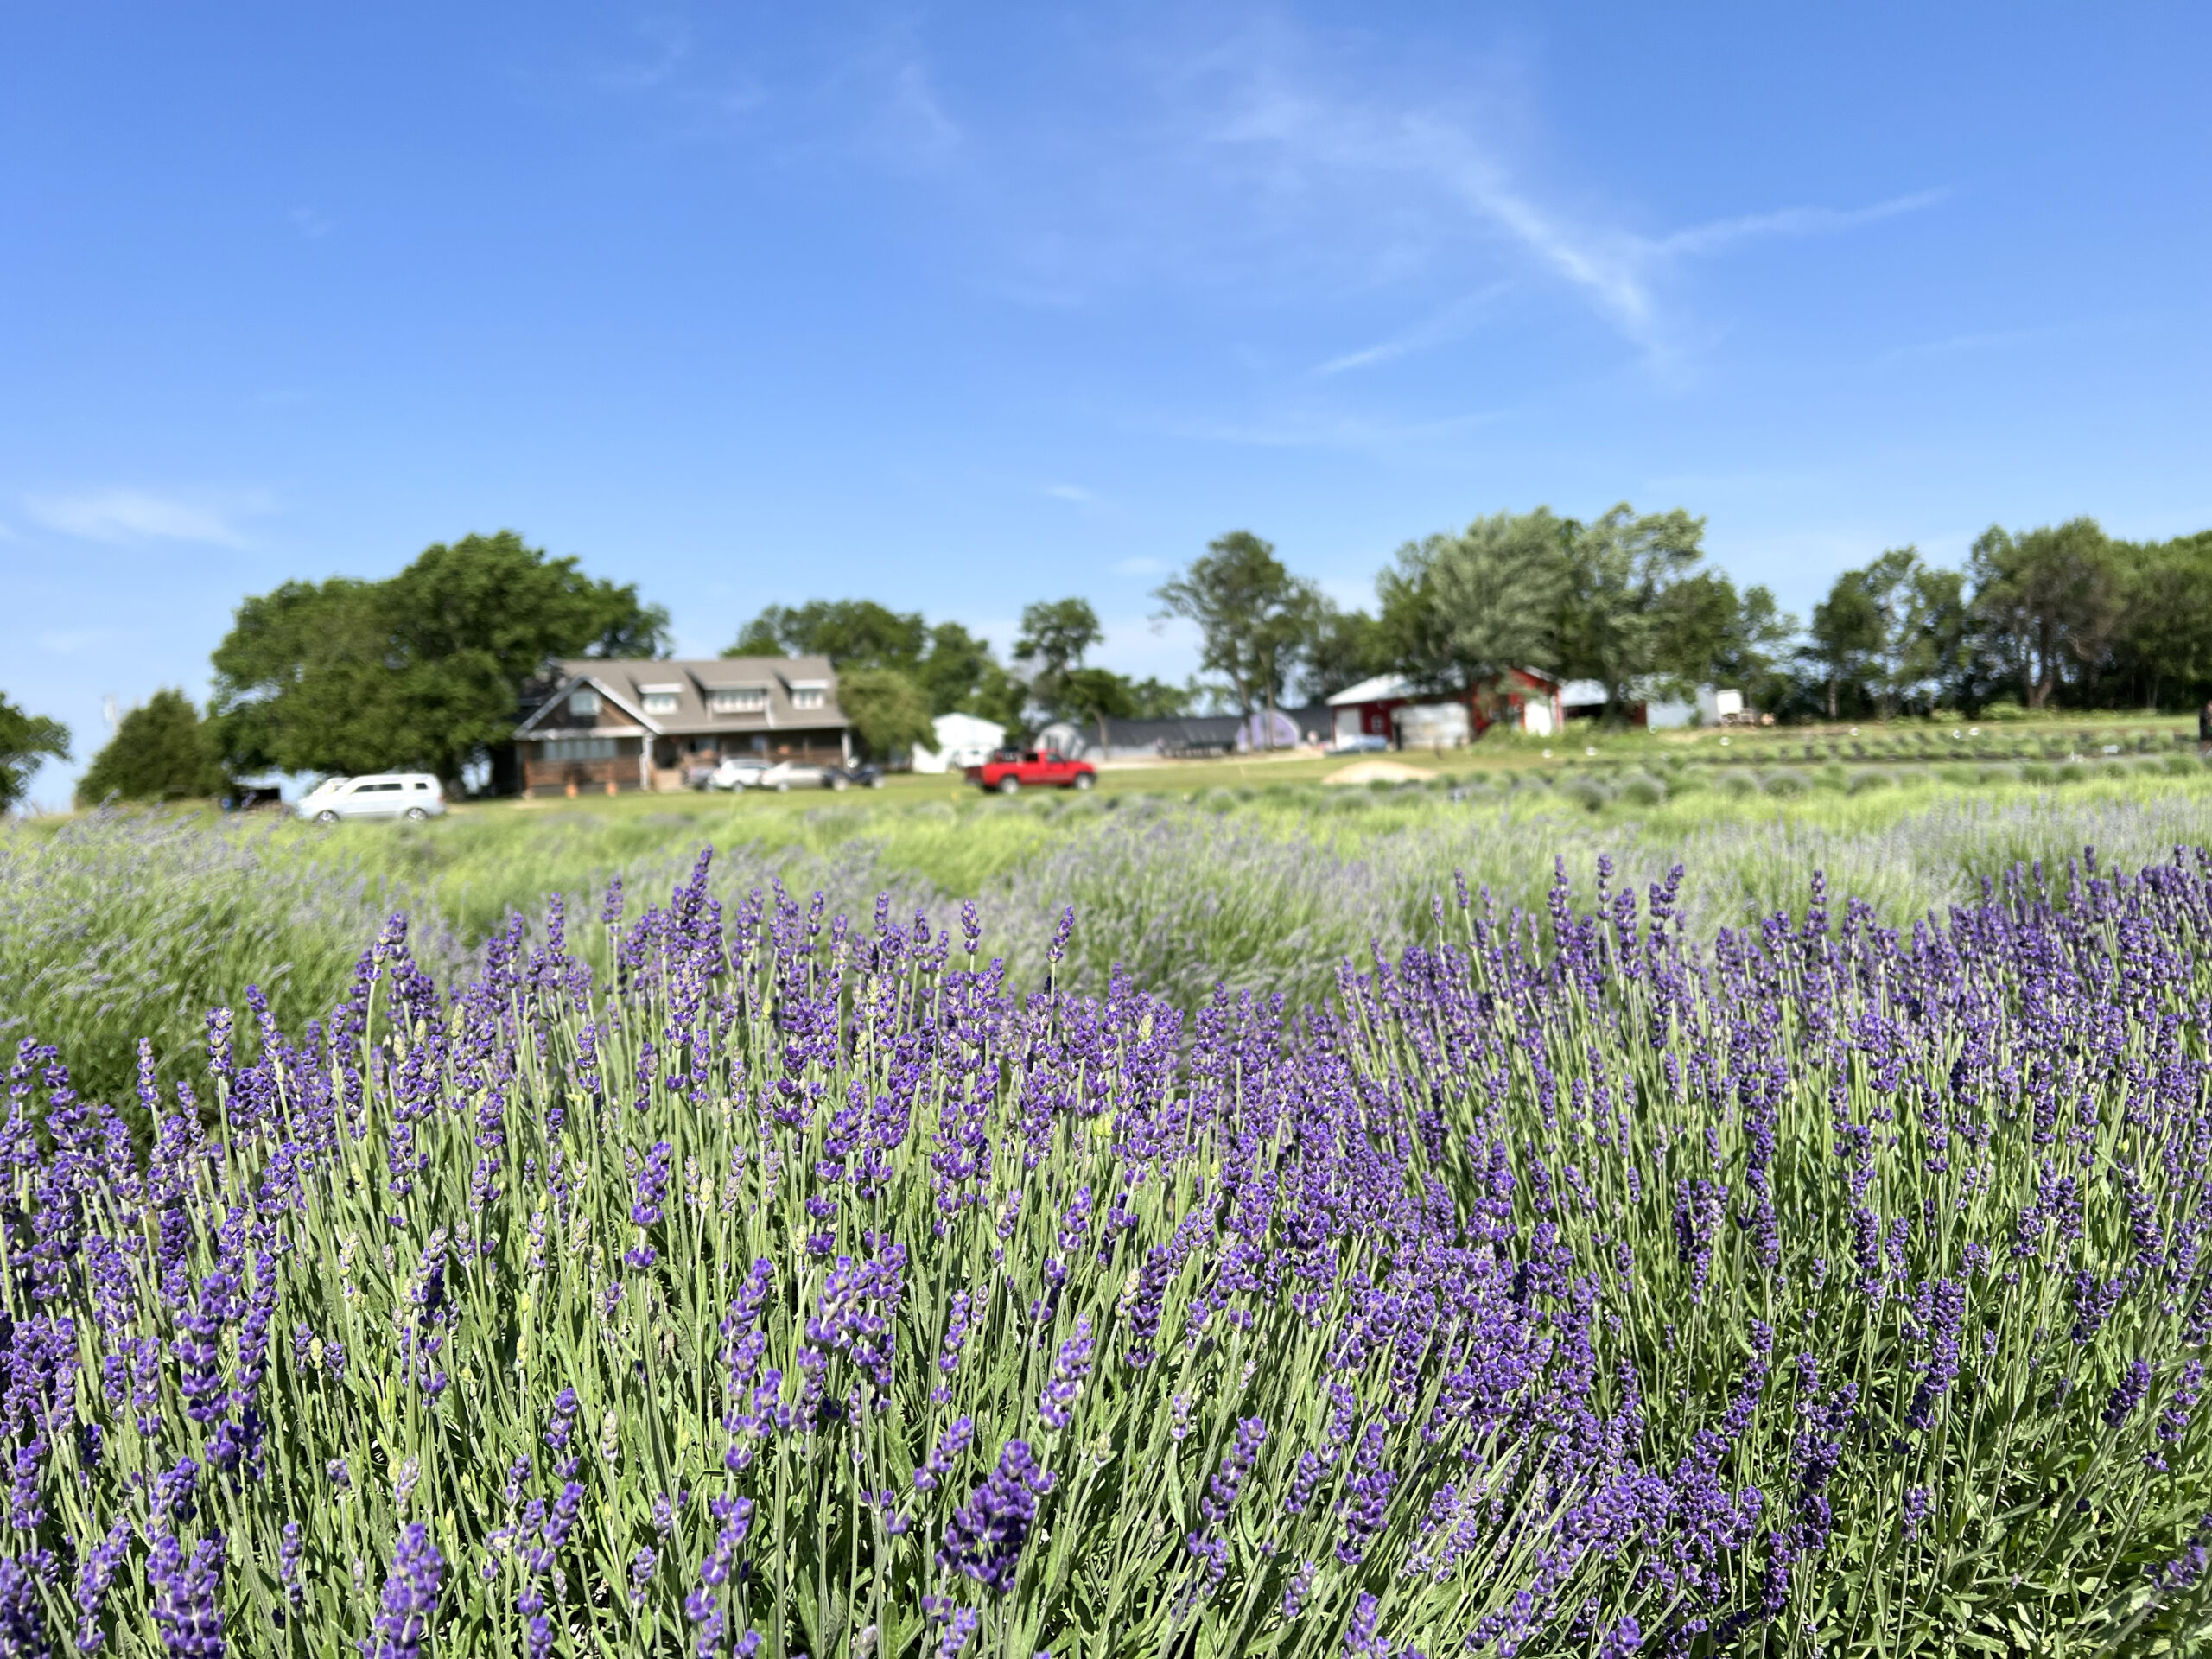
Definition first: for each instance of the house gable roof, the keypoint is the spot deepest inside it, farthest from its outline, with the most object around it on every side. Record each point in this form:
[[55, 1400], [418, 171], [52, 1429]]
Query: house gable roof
[[571, 682], [629, 682]]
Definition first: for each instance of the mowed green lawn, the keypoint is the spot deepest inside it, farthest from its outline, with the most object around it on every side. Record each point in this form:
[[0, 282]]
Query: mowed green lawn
[[488, 858]]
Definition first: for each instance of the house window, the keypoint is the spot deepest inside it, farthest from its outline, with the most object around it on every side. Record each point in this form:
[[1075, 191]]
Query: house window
[[660, 702], [739, 700], [583, 703], [806, 696], [581, 748]]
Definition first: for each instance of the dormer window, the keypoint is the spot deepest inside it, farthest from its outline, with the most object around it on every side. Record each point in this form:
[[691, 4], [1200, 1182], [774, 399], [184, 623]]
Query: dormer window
[[583, 703], [660, 699], [738, 700], [808, 694]]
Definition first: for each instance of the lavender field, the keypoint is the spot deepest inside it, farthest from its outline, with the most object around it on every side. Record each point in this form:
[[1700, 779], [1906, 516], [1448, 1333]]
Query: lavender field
[[1595, 1266]]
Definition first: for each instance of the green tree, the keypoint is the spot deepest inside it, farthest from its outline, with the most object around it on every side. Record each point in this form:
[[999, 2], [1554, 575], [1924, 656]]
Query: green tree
[[889, 711], [1712, 634], [1620, 569], [1254, 618], [2047, 604], [2165, 632], [1846, 638], [1152, 698], [25, 742], [1056, 634], [850, 632], [160, 752], [957, 670], [425, 669], [1341, 648], [1499, 587], [1096, 695]]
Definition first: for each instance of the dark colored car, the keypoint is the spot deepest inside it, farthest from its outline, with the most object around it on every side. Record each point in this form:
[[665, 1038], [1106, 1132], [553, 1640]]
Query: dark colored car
[[1011, 771], [860, 775]]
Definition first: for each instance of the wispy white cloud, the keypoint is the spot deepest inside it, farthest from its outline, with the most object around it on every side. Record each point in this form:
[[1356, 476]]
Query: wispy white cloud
[[1074, 492], [1308, 131], [1792, 222], [1139, 565], [917, 114], [310, 223], [138, 515], [668, 40], [1362, 154], [1447, 325]]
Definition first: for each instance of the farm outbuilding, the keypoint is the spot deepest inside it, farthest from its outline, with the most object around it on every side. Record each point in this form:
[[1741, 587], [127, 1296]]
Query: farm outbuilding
[[1392, 707]]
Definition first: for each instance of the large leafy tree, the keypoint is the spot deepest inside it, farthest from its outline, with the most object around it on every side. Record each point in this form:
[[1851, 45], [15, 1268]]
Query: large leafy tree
[[2165, 635], [1056, 635], [889, 711], [2047, 604], [1341, 648], [424, 669], [1847, 636], [1711, 633], [1499, 589], [161, 751], [850, 632], [1254, 618], [952, 669], [1890, 634], [26, 742], [1620, 568]]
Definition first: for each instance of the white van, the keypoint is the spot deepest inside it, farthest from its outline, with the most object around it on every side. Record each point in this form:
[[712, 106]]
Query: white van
[[414, 795]]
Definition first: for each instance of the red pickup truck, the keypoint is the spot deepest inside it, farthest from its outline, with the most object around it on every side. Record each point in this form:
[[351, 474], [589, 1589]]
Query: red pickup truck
[[1010, 771]]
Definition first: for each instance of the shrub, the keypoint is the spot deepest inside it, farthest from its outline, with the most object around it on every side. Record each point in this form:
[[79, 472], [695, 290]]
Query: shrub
[[1589, 793], [1641, 789], [1872, 779], [1785, 782]]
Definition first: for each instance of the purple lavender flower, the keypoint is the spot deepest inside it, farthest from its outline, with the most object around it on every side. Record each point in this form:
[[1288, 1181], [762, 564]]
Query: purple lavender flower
[[985, 1536], [95, 1574], [2128, 1394], [945, 1453], [1918, 1507], [1070, 1369], [409, 1603], [188, 1607]]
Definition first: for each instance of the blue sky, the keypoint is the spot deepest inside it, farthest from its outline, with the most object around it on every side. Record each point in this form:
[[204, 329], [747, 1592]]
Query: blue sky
[[959, 308]]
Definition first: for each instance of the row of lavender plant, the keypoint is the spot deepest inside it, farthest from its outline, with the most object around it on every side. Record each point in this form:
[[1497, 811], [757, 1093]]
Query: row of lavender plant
[[799, 1286]]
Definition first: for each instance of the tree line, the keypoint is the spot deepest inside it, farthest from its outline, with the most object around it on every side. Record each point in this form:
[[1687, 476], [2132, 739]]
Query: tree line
[[426, 668]]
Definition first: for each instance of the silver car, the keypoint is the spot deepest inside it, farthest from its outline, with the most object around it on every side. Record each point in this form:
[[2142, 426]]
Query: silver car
[[737, 774], [414, 795]]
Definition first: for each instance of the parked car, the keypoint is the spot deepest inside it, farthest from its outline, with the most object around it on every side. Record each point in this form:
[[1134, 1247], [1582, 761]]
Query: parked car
[[787, 775], [414, 795], [1011, 771], [1360, 743], [860, 775], [734, 773]]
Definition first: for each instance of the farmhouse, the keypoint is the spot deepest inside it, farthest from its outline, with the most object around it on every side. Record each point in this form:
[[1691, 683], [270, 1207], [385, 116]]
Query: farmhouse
[[595, 726]]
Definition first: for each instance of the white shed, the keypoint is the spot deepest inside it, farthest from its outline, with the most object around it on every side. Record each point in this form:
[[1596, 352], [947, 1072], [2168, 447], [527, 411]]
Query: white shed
[[961, 740]]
